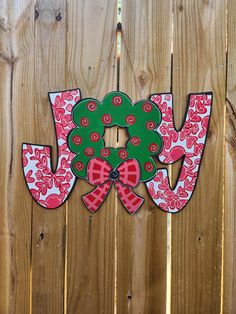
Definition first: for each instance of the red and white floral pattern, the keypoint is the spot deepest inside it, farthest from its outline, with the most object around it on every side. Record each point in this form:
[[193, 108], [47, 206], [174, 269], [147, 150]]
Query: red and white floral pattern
[[51, 189], [188, 143]]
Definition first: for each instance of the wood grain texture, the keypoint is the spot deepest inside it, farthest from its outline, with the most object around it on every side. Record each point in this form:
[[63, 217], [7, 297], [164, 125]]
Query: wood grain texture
[[229, 305], [68, 260], [91, 49], [22, 113], [145, 68], [48, 226], [5, 148], [199, 64], [5, 236]]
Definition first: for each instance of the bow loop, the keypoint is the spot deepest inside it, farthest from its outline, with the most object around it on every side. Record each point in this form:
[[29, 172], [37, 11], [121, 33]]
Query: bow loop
[[98, 171], [129, 173]]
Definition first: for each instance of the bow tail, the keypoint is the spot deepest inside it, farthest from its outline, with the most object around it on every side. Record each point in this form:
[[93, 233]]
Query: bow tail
[[94, 199], [131, 201]]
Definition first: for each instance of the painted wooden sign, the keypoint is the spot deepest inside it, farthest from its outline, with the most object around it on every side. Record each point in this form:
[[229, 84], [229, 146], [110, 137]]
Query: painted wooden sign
[[80, 125]]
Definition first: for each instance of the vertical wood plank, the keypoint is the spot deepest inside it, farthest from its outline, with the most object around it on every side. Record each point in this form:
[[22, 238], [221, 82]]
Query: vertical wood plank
[[48, 226], [91, 49], [145, 68], [5, 148], [5, 235], [229, 305], [21, 126], [199, 64]]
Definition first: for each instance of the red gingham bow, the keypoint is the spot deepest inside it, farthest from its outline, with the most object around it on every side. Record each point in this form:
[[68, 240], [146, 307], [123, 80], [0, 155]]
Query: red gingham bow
[[125, 177]]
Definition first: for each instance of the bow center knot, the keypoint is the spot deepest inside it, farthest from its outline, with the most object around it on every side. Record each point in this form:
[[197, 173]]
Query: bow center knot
[[114, 174]]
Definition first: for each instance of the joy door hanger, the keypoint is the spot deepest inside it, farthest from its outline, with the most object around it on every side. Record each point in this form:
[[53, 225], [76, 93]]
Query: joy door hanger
[[80, 125]]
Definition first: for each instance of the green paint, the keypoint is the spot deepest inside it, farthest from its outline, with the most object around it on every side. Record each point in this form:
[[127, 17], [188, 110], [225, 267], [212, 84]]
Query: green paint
[[116, 109]]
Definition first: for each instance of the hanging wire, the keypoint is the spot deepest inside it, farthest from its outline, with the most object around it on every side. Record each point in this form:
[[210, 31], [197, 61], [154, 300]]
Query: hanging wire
[[118, 38], [131, 62], [102, 73]]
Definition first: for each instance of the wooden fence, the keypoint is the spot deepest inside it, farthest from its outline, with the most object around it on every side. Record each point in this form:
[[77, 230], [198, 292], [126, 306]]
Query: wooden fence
[[68, 260]]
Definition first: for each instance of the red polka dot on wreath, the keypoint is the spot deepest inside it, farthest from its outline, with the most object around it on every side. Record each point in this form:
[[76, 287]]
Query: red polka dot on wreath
[[130, 119], [153, 148], [106, 118], [147, 107], [91, 105], [150, 125], [135, 140], [123, 154], [84, 122], [77, 140], [148, 166], [116, 101], [94, 137], [105, 152], [89, 151], [79, 165]]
